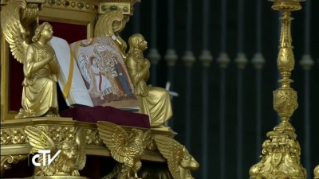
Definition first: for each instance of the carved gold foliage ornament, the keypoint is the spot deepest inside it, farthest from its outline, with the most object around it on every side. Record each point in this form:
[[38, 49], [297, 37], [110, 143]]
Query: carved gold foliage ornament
[[92, 137], [285, 102], [179, 161], [281, 152], [126, 149], [58, 133], [12, 136]]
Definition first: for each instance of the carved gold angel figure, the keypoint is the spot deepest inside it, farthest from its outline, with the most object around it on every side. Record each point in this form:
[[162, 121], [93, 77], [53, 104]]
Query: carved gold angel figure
[[40, 66], [179, 161], [71, 159], [154, 101], [125, 149]]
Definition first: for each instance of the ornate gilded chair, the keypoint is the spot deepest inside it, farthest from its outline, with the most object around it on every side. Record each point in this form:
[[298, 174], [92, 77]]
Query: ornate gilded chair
[[74, 20]]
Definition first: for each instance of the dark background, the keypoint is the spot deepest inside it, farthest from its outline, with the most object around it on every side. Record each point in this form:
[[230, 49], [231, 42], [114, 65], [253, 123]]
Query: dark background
[[270, 37]]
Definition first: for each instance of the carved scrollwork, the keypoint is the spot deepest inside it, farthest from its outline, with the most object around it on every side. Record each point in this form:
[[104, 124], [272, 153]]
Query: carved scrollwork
[[111, 24], [7, 161]]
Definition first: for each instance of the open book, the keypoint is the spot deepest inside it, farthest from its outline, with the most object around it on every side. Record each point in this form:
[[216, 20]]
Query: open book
[[93, 73]]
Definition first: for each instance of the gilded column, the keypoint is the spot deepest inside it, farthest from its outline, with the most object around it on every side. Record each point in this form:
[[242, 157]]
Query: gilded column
[[153, 55], [307, 62], [281, 152], [171, 56], [258, 62], [223, 61], [206, 58]]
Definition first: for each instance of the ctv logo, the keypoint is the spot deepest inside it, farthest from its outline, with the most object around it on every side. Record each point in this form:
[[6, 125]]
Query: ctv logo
[[45, 156]]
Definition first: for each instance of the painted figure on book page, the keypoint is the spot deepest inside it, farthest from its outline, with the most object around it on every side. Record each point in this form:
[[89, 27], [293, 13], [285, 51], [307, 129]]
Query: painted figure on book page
[[154, 101], [93, 73], [104, 77], [40, 66], [123, 79], [100, 83]]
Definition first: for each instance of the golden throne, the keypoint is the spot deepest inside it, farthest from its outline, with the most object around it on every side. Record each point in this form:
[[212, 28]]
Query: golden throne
[[75, 20]]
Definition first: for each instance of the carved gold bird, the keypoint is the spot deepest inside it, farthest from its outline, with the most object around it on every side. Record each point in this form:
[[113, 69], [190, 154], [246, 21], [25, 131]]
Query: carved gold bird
[[125, 149], [179, 161]]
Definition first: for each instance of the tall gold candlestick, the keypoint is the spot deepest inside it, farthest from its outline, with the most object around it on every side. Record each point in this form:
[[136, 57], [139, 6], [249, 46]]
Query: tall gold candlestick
[[281, 152]]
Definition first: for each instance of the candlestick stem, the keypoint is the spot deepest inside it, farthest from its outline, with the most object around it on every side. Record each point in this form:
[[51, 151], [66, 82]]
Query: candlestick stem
[[282, 145]]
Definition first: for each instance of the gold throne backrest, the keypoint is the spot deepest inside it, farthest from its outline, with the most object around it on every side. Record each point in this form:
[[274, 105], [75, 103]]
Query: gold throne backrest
[[71, 20]]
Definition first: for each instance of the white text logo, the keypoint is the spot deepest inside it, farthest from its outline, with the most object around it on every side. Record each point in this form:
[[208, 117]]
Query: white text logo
[[45, 156]]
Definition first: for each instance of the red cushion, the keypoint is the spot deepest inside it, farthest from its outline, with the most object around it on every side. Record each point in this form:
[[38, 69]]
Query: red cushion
[[109, 114]]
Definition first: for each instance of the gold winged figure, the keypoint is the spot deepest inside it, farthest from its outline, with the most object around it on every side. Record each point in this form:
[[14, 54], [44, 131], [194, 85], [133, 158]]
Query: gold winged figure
[[70, 160], [125, 149], [154, 101], [40, 66], [179, 161]]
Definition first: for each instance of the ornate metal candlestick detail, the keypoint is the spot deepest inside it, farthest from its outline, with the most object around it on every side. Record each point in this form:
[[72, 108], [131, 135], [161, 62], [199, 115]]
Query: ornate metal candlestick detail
[[281, 153]]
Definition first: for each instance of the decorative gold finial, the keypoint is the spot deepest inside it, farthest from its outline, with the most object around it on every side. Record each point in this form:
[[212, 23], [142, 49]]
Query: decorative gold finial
[[281, 153]]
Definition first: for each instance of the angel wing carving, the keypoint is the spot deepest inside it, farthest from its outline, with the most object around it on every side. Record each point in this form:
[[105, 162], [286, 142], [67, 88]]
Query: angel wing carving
[[115, 138], [83, 63], [81, 143], [69, 162], [39, 140], [13, 30], [172, 151], [125, 149], [178, 159]]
